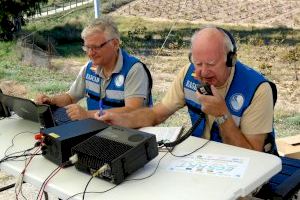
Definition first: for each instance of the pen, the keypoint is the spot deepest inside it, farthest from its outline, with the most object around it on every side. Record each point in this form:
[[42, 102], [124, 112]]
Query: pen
[[100, 107]]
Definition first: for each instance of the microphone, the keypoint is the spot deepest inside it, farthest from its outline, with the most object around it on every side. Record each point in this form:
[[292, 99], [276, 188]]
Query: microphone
[[204, 88]]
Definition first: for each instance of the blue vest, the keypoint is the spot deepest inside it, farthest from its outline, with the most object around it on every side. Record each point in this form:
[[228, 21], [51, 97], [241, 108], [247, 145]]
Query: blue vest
[[114, 93], [239, 96]]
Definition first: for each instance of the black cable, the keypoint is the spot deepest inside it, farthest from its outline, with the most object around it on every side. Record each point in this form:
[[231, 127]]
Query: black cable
[[116, 185], [169, 151], [14, 157], [135, 179], [23, 152], [12, 141], [187, 134], [84, 191], [46, 180], [138, 179], [180, 156], [54, 172]]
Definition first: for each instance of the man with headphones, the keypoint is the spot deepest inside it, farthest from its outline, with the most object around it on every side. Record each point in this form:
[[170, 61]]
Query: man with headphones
[[238, 112]]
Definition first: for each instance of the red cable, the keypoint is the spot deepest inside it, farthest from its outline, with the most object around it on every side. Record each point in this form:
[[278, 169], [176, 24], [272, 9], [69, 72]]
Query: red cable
[[40, 195], [26, 165]]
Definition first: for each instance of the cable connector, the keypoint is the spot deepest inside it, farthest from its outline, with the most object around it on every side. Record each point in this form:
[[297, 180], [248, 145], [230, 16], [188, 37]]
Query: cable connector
[[101, 170], [38, 136], [73, 159], [37, 144]]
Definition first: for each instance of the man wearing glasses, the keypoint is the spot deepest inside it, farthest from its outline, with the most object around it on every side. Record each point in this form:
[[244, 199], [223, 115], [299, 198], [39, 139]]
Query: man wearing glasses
[[111, 79]]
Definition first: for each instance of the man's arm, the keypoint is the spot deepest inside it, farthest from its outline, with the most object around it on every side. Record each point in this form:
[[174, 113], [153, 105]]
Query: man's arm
[[256, 122], [130, 105], [60, 100], [138, 118], [232, 135]]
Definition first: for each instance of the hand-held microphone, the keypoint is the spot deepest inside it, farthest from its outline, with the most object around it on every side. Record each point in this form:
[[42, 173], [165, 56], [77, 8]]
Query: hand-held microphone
[[204, 88]]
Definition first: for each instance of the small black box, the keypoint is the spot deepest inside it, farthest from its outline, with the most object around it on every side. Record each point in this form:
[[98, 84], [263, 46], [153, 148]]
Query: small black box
[[59, 140], [123, 150]]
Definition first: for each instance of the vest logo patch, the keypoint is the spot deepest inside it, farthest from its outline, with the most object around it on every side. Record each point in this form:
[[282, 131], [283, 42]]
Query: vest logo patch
[[119, 80], [92, 78], [237, 101], [191, 85]]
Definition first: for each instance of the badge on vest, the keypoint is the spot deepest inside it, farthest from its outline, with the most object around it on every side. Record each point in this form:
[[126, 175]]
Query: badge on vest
[[237, 101], [119, 80]]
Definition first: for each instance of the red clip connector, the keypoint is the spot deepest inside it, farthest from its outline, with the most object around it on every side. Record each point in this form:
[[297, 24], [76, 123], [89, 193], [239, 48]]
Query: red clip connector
[[38, 136]]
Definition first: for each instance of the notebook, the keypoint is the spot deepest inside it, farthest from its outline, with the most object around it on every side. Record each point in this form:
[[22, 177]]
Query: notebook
[[48, 116]]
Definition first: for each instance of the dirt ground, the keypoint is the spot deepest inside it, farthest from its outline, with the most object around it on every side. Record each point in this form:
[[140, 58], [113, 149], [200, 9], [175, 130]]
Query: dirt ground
[[247, 12]]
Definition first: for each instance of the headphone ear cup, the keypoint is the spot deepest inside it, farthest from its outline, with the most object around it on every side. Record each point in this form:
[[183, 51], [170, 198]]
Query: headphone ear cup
[[231, 59]]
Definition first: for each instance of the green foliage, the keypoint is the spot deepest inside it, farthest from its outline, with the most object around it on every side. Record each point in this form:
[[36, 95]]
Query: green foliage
[[38, 79], [288, 124], [176, 40], [53, 87], [134, 37], [65, 33], [6, 49], [12, 12], [70, 49]]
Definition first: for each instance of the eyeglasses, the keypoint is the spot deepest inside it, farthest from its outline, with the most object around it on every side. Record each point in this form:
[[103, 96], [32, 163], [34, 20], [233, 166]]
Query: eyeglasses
[[95, 47]]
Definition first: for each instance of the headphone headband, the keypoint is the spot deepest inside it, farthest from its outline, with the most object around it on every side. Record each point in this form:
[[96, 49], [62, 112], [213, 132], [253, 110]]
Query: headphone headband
[[231, 55], [230, 36]]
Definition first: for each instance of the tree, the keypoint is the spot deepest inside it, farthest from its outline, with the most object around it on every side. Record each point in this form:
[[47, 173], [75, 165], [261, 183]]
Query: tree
[[12, 14]]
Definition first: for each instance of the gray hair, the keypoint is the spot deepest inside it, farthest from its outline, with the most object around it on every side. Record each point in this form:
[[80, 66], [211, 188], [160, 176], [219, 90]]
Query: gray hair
[[228, 45], [104, 25]]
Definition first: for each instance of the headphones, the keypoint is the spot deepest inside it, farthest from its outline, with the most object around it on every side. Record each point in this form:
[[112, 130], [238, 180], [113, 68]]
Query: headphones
[[231, 55]]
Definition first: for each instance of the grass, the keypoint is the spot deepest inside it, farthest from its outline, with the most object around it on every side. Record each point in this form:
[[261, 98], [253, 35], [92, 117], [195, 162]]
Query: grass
[[37, 80], [257, 47]]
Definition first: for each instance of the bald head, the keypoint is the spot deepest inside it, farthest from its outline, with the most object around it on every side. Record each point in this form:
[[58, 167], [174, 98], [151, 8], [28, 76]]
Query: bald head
[[212, 36]]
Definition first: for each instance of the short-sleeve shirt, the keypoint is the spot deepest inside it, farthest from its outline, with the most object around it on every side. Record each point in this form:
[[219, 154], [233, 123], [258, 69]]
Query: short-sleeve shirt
[[136, 82], [257, 118]]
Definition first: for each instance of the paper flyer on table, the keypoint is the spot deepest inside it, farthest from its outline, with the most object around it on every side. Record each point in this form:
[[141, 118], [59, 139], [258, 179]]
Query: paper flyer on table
[[165, 134], [211, 164]]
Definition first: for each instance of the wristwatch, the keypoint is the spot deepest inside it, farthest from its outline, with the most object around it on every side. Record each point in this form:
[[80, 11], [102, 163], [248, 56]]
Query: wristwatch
[[221, 119]]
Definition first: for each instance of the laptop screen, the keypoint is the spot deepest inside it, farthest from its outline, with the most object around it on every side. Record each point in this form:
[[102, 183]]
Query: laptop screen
[[4, 111], [46, 115], [24, 108]]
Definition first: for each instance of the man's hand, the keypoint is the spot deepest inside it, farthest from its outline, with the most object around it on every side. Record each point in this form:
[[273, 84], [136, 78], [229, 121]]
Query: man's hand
[[76, 112], [43, 99], [214, 105], [120, 119]]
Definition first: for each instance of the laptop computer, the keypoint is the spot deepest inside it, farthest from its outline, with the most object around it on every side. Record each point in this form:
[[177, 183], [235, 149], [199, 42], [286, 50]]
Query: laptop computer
[[4, 111], [48, 116]]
